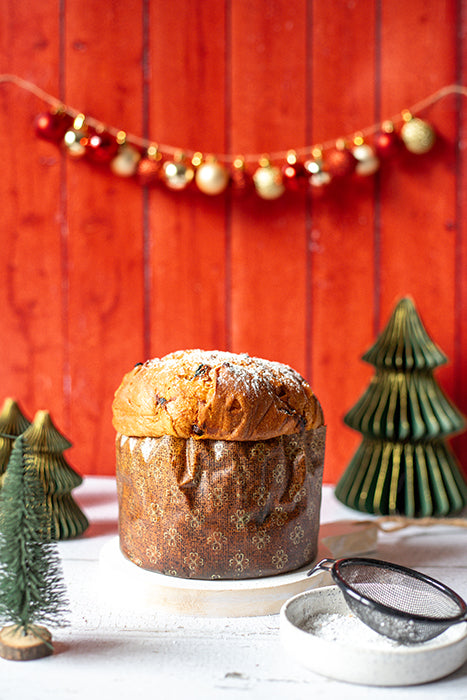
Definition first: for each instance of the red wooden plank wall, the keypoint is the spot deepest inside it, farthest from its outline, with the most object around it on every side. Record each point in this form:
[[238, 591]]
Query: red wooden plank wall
[[98, 272]]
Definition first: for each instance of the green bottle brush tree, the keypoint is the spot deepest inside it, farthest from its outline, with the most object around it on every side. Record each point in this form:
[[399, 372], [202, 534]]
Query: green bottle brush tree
[[32, 593]]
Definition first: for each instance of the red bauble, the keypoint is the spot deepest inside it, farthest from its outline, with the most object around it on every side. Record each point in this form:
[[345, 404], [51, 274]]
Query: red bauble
[[52, 126], [240, 180], [339, 162], [148, 170], [386, 143], [294, 176], [101, 148]]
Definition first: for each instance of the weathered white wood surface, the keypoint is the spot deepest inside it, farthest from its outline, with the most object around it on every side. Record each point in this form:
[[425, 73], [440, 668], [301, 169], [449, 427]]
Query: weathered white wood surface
[[115, 653]]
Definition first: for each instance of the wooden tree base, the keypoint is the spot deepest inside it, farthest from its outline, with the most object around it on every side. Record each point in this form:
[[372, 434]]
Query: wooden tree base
[[16, 646]]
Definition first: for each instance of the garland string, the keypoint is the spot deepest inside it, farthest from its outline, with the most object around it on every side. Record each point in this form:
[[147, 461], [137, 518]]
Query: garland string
[[270, 182]]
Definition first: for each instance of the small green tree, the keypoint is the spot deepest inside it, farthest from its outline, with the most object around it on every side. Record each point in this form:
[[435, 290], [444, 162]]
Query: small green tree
[[31, 586], [12, 424], [404, 464], [46, 446]]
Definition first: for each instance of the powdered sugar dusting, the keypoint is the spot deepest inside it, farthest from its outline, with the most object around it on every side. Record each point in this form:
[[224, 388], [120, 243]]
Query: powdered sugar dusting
[[251, 374], [349, 630]]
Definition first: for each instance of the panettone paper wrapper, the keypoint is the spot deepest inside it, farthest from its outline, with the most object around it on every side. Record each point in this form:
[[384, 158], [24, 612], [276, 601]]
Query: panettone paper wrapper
[[214, 509]]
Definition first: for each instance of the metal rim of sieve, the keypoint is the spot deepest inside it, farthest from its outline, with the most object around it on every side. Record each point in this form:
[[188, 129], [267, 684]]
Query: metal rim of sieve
[[428, 626], [338, 574]]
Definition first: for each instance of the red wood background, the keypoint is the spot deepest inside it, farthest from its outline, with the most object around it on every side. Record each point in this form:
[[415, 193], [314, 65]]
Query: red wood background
[[97, 272]]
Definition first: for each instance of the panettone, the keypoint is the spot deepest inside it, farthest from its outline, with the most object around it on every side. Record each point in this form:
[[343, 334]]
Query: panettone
[[219, 466]]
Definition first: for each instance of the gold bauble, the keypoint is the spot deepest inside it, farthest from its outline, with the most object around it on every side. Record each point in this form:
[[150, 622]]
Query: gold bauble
[[320, 179], [125, 162], [418, 136], [367, 161], [75, 143], [268, 182], [212, 178], [177, 175], [318, 176]]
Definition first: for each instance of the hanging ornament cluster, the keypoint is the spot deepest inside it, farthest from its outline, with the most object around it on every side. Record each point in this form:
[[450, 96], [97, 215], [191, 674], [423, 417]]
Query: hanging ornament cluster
[[270, 175]]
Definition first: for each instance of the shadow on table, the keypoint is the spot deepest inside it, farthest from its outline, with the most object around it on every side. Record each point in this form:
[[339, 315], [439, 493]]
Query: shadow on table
[[89, 647]]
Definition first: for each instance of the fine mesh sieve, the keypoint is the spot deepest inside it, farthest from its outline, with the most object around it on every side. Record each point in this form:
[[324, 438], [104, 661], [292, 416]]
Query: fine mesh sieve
[[395, 601]]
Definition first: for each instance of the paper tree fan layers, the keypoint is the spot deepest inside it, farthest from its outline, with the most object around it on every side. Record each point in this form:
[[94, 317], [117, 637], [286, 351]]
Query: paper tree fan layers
[[403, 466], [46, 445], [404, 344], [387, 478], [401, 406], [12, 424]]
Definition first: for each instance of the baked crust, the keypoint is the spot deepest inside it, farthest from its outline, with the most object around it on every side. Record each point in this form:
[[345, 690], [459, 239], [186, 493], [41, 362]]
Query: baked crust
[[214, 395]]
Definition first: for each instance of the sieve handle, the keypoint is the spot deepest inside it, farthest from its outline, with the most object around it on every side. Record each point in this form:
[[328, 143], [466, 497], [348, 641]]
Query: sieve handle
[[323, 565]]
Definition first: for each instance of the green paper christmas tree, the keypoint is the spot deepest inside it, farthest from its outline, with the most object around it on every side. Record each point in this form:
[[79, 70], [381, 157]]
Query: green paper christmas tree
[[403, 465], [12, 424], [46, 445], [31, 589]]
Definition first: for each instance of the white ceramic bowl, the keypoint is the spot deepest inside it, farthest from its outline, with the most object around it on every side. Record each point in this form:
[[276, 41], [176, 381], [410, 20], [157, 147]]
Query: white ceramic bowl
[[362, 661]]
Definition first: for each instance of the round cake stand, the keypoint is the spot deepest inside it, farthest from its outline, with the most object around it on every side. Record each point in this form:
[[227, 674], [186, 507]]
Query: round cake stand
[[128, 586]]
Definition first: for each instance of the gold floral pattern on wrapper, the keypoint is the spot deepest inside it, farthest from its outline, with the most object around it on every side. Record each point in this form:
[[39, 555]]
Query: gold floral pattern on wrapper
[[213, 509]]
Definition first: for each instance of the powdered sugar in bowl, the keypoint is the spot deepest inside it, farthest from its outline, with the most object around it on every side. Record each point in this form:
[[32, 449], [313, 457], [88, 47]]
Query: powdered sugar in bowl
[[318, 630]]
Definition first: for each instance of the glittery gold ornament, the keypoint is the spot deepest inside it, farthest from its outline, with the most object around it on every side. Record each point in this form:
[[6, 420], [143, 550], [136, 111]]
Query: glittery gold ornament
[[318, 177], [212, 178], [75, 143], [177, 174], [367, 161], [268, 182], [126, 161], [418, 136], [75, 139]]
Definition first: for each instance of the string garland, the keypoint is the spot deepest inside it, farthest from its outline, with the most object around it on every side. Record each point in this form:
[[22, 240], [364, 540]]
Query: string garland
[[270, 175]]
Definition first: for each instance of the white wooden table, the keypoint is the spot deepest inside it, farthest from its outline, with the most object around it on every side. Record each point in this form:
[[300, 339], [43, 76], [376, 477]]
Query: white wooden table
[[117, 653]]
